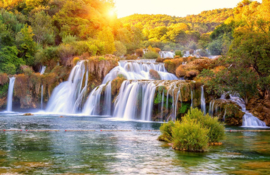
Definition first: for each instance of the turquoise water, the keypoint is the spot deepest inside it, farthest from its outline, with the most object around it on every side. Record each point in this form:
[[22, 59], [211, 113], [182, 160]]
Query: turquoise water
[[119, 152]]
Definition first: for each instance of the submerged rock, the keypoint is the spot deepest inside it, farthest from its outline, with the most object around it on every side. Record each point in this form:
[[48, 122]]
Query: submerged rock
[[28, 114]]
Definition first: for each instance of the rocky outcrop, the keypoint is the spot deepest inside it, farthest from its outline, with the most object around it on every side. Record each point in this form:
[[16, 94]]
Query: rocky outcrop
[[260, 108], [27, 88], [101, 66]]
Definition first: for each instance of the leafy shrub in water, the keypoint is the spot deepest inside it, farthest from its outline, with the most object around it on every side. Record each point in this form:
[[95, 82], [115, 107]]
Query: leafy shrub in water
[[166, 130], [194, 132], [190, 135], [216, 130]]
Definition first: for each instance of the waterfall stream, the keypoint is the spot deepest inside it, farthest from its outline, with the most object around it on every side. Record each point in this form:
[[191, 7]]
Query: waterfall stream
[[10, 93], [138, 70], [203, 104], [249, 120], [42, 71], [67, 97]]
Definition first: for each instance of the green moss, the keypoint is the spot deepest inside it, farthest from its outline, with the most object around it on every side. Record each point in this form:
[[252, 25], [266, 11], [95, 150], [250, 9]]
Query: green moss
[[3, 90], [184, 108], [158, 98]]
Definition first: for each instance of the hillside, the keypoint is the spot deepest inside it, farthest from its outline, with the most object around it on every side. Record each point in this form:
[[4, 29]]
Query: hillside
[[204, 22]]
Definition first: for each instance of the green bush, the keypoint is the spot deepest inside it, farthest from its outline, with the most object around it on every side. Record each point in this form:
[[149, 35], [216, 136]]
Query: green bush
[[166, 131], [8, 68], [216, 130], [194, 132], [178, 53], [190, 135], [151, 55]]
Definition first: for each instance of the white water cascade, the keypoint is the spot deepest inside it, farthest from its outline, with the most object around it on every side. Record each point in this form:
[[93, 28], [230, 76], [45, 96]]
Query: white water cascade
[[67, 97], [42, 71], [166, 54], [93, 104], [130, 106], [10, 93], [203, 104], [249, 120], [138, 70]]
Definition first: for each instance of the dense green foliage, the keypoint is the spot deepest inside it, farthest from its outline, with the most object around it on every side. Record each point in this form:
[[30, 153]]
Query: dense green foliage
[[190, 136], [194, 132], [50, 31], [245, 43]]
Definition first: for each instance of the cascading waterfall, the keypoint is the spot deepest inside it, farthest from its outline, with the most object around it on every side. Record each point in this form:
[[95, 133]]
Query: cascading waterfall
[[138, 70], [203, 104], [162, 103], [10, 93], [248, 119], [42, 71], [108, 99], [166, 54], [211, 107], [130, 106], [67, 97]]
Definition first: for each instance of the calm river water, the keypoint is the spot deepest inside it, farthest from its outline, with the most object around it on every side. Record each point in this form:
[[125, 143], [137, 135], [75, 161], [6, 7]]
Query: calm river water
[[29, 152]]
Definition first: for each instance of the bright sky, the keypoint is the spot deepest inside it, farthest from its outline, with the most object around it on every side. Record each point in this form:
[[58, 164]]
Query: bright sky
[[180, 8]]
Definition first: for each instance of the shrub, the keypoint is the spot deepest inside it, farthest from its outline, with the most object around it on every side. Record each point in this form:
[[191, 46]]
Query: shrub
[[8, 68], [151, 55], [75, 60], [194, 132], [192, 73], [131, 57], [178, 53], [190, 135], [166, 131], [69, 39], [216, 130], [157, 50], [139, 52], [3, 78], [180, 72], [167, 48]]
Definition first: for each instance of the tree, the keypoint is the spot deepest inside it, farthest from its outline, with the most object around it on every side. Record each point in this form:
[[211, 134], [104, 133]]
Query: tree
[[106, 36], [43, 29], [120, 48], [26, 45]]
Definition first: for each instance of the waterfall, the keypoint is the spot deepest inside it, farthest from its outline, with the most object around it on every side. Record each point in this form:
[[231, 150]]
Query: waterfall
[[191, 97], [138, 70], [249, 120], [203, 104], [10, 93], [162, 103], [108, 99], [41, 100], [135, 100], [67, 96], [224, 116], [176, 103], [92, 105], [42, 71], [211, 107], [166, 54]]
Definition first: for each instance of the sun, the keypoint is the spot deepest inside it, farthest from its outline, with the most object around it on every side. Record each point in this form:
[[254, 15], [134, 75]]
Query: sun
[[111, 12]]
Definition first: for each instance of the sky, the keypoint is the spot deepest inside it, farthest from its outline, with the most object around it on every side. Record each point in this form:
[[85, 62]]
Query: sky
[[179, 8]]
